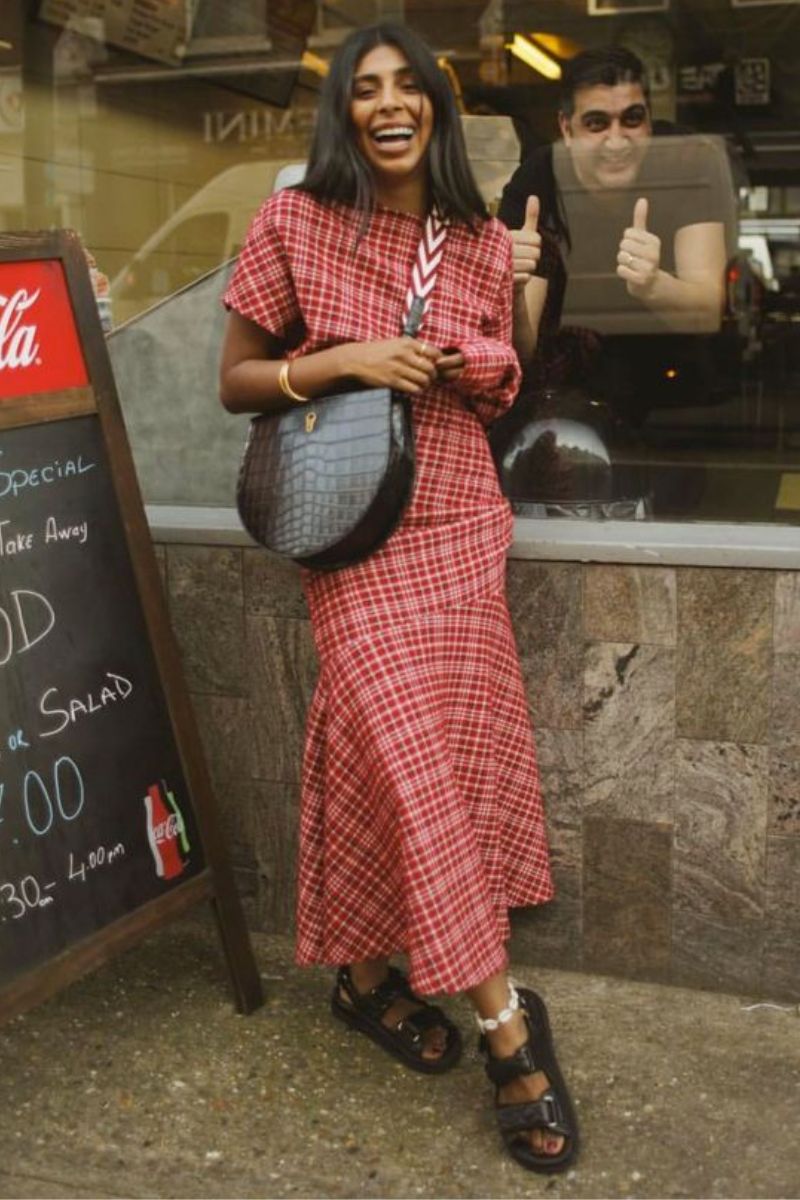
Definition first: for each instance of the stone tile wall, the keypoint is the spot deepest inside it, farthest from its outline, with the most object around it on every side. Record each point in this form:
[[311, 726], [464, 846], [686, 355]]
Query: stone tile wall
[[667, 709]]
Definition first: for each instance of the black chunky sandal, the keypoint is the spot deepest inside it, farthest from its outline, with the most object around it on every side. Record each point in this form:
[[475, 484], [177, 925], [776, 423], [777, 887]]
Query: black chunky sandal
[[405, 1040], [553, 1112]]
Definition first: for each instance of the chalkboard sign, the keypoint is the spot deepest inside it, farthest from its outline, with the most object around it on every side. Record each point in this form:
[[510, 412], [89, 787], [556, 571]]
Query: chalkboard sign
[[107, 826]]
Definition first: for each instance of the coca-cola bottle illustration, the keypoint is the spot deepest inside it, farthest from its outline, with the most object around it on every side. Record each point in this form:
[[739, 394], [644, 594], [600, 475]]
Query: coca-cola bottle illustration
[[166, 832], [173, 803]]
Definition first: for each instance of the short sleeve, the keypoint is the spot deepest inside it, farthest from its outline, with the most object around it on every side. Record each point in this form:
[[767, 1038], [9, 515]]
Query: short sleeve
[[261, 288], [712, 196]]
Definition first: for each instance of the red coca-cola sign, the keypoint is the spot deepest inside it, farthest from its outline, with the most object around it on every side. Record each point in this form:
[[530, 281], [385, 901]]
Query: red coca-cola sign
[[40, 350]]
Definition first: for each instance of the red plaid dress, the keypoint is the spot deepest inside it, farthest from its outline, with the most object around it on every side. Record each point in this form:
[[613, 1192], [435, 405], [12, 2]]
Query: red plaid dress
[[421, 817]]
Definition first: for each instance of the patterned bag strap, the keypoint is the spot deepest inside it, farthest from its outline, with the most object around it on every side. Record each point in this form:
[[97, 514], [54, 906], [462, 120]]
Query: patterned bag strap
[[423, 272]]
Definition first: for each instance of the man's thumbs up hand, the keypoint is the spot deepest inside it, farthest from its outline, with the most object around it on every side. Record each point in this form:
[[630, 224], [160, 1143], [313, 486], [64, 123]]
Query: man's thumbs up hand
[[639, 255], [527, 244], [640, 210], [532, 215]]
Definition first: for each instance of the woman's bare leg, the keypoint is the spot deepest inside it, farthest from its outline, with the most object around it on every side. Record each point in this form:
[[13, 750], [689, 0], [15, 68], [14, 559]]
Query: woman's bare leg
[[489, 998]]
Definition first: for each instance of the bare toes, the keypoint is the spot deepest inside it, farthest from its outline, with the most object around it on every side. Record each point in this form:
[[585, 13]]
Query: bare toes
[[538, 1141], [436, 1045], [543, 1142]]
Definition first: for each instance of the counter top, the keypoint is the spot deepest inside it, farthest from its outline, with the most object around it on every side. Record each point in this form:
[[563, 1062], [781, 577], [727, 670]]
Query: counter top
[[658, 543]]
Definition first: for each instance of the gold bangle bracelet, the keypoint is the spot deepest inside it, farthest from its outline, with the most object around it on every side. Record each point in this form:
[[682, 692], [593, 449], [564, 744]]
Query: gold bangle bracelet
[[286, 387]]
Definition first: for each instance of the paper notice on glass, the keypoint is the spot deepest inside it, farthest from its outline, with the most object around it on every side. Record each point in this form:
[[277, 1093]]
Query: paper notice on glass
[[12, 111], [156, 29], [291, 22]]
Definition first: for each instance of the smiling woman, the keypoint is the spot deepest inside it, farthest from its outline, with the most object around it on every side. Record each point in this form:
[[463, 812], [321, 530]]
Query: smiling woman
[[393, 119], [421, 817], [381, 82]]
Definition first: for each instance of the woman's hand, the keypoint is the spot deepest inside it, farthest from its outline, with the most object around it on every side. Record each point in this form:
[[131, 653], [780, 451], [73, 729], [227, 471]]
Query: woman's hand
[[402, 363], [449, 365]]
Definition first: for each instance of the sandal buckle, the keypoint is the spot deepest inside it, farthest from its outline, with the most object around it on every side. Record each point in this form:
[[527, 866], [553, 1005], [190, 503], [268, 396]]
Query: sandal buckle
[[406, 1027], [550, 1106]]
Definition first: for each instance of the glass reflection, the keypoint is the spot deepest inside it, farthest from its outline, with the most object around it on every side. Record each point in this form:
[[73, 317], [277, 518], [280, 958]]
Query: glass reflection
[[648, 317]]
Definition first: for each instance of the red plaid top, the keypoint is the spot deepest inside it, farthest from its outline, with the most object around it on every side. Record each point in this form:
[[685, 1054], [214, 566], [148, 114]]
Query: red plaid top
[[306, 278], [304, 275]]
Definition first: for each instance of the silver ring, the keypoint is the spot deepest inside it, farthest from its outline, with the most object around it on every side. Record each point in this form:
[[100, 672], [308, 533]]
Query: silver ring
[[628, 258]]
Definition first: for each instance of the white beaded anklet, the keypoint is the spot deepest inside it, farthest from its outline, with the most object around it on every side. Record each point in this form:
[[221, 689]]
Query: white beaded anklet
[[489, 1024]]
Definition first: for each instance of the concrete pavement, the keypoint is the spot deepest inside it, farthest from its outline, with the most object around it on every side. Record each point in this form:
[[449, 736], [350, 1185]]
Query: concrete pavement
[[142, 1081]]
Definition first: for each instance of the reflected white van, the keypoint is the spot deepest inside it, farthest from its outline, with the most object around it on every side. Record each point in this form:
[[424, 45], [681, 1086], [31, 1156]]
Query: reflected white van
[[207, 230]]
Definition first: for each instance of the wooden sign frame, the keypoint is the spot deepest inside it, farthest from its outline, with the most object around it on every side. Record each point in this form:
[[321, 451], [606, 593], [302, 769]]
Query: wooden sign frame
[[214, 882]]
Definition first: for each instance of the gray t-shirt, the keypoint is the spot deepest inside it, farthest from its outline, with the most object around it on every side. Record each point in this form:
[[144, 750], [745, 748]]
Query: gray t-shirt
[[686, 180]]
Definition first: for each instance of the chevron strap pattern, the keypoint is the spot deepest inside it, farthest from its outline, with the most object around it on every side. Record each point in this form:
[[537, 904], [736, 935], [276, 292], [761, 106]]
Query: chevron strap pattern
[[429, 256]]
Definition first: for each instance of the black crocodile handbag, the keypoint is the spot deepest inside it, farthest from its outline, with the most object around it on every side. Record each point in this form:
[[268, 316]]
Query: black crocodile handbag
[[326, 482]]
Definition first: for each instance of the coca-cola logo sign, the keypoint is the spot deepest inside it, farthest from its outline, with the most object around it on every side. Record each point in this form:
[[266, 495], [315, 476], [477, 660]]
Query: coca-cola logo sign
[[40, 350], [167, 831], [18, 344]]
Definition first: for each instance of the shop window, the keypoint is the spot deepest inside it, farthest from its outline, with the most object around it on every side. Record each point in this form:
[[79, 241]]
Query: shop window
[[191, 249], [695, 419]]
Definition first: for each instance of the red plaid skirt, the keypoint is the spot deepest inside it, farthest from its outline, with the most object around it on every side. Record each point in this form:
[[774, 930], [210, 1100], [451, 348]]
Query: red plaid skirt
[[421, 819], [421, 813]]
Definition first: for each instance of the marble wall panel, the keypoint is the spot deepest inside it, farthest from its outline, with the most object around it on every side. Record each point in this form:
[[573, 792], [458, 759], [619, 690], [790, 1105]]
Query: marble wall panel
[[225, 724], [550, 934], [782, 935], [627, 873], [560, 758], [273, 814], [710, 910], [724, 654], [785, 746], [785, 716], [719, 957], [207, 611], [720, 849], [780, 979], [271, 586], [784, 816], [259, 826], [234, 804], [566, 861], [547, 936], [629, 730], [247, 885], [545, 604], [787, 612], [630, 604], [783, 881], [282, 671]]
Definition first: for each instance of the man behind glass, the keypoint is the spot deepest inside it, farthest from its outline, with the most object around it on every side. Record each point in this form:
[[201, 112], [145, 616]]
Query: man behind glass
[[616, 231]]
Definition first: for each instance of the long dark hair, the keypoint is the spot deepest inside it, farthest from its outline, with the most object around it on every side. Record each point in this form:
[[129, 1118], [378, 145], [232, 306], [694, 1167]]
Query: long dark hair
[[336, 168]]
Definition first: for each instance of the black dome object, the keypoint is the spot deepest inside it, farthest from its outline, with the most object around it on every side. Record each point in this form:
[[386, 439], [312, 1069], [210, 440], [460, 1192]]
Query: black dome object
[[557, 466]]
